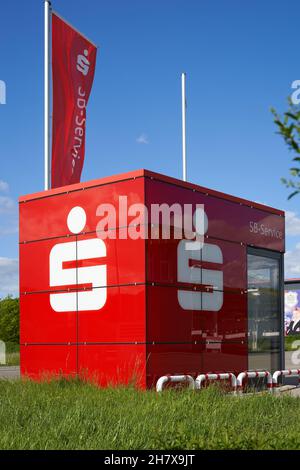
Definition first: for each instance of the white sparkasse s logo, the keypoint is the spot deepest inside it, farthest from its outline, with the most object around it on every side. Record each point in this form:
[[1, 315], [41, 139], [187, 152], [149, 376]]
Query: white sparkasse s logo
[[188, 271], [93, 275], [83, 63]]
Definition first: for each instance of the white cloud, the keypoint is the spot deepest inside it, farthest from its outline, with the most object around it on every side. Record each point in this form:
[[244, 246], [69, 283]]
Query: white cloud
[[142, 139], [9, 228], [9, 277], [7, 205], [8, 212], [292, 262], [292, 257], [292, 223], [4, 187]]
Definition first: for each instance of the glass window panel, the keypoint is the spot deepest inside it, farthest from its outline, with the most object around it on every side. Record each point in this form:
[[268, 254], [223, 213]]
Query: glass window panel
[[264, 312]]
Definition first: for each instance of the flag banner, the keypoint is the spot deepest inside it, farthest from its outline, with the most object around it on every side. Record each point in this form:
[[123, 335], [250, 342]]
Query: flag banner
[[73, 69]]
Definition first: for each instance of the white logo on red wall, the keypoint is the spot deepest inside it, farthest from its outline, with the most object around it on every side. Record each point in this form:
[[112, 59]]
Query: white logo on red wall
[[76, 264], [83, 63], [191, 255]]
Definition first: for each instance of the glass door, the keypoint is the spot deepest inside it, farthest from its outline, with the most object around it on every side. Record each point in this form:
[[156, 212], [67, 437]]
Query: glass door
[[265, 326]]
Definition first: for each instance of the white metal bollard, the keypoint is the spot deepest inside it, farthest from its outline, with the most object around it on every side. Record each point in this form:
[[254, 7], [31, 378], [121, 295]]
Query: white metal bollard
[[2, 352], [284, 373], [253, 375], [174, 378], [223, 376]]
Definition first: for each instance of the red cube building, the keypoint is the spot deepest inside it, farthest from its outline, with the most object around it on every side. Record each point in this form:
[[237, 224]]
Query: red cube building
[[117, 308]]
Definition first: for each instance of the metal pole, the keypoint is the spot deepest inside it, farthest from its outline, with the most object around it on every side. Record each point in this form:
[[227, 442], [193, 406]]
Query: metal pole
[[47, 11], [183, 105]]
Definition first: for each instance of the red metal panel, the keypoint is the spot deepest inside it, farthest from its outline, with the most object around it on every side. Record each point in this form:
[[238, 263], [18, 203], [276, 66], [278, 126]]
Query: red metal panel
[[121, 319], [227, 220], [193, 359], [39, 323], [124, 260], [163, 263], [225, 357], [47, 217], [113, 364], [122, 264], [131, 175], [167, 321], [35, 264], [42, 362], [152, 175], [199, 311], [49, 314], [195, 187], [163, 359]]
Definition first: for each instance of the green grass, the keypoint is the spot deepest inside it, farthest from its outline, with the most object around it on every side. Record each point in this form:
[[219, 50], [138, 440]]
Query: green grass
[[75, 415], [12, 355]]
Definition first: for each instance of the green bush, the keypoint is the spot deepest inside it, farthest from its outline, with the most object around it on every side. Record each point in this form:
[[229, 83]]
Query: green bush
[[9, 320], [289, 342]]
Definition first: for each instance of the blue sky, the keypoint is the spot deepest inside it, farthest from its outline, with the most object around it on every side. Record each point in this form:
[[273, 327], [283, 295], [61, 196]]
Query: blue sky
[[240, 59]]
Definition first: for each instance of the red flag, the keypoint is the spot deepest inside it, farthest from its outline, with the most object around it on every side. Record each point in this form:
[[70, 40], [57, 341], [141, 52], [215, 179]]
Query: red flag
[[73, 69]]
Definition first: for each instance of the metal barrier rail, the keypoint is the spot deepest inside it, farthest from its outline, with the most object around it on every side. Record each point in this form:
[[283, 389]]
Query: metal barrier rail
[[223, 376], [236, 383], [253, 375], [174, 378], [284, 373]]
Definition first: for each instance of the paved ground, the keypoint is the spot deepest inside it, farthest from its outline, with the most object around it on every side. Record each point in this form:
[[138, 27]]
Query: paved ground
[[295, 392], [9, 372]]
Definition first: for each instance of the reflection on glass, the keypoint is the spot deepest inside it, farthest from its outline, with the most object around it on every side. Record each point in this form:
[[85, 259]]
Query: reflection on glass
[[263, 313]]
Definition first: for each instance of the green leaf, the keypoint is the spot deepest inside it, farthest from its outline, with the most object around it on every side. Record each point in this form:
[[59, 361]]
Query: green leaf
[[291, 115], [293, 194]]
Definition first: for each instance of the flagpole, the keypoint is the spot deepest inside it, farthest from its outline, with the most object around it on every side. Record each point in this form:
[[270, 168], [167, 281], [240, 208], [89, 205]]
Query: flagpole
[[47, 13], [183, 107]]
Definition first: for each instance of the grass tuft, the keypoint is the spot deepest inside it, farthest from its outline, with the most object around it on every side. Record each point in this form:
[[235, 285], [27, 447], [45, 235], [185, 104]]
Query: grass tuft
[[75, 414]]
